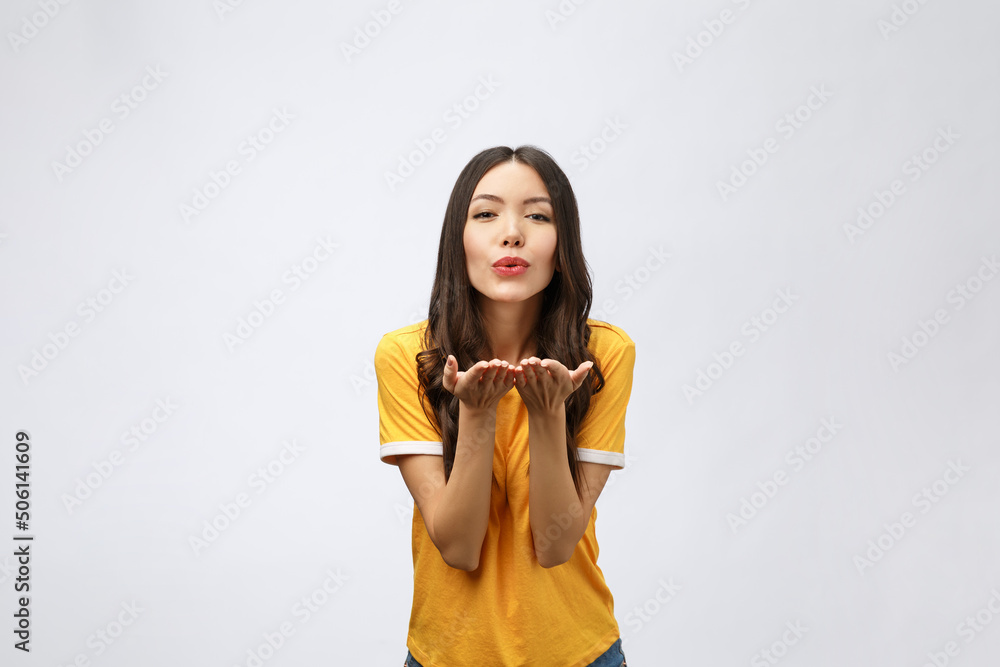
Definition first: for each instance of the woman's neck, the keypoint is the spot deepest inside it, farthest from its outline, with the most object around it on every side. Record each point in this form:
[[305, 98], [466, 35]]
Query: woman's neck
[[510, 327]]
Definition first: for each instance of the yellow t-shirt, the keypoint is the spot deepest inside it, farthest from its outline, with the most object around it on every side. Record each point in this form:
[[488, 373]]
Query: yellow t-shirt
[[510, 611]]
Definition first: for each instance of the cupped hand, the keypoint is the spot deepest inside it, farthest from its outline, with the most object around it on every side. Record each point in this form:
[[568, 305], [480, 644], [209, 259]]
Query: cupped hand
[[480, 387], [545, 384]]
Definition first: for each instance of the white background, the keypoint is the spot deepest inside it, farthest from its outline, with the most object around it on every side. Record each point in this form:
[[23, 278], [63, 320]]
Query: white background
[[664, 133]]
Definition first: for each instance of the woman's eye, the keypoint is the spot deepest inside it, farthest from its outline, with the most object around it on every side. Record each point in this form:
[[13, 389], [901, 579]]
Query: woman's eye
[[482, 215], [539, 216]]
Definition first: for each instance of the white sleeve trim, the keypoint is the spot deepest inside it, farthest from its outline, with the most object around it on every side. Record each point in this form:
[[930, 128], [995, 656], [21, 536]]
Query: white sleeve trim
[[615, 459], [409, 447]]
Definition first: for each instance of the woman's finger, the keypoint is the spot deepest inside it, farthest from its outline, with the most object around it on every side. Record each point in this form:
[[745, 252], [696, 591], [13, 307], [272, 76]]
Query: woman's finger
[[491, 371], [580, 374], [528, 370], [477, 371], [510, 375], [449, 374]]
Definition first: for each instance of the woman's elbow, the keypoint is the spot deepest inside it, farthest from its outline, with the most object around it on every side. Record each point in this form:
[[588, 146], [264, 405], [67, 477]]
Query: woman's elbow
[[549, 558], [461, 561]]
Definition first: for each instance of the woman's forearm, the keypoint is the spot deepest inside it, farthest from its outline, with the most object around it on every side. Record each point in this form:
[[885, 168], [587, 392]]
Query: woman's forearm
[[554, 508], [462, 515]]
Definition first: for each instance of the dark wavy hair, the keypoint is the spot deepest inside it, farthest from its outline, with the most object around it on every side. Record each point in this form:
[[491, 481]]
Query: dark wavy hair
[[455, 323]]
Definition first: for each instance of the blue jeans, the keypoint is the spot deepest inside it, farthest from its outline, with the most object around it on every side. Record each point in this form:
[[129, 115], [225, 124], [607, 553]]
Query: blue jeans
[[613, 657]]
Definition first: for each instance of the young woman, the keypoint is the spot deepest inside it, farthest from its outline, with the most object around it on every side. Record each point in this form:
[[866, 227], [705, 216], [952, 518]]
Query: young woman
[[505, 482]]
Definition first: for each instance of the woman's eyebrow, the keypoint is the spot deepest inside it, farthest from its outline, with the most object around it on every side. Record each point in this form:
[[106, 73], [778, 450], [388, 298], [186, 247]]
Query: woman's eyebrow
[[529, 200], [490, 197]]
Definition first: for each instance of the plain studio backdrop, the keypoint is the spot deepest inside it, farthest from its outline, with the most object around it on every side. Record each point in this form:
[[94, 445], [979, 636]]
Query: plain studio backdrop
[[212, 211]]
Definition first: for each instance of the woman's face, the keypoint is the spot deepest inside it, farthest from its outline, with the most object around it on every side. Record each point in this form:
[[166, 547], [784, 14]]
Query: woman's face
[[510, 215]]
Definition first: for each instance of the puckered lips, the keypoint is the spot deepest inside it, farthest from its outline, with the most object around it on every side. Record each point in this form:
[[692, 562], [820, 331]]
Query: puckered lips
[[510, 261], [510, 266]]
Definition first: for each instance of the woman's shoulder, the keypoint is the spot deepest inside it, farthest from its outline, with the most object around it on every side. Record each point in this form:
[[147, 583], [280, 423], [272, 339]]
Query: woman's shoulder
[[410, 330], [407, 338], [607, 336]]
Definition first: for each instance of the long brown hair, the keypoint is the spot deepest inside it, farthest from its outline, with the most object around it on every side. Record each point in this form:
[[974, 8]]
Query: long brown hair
[[455, 324]]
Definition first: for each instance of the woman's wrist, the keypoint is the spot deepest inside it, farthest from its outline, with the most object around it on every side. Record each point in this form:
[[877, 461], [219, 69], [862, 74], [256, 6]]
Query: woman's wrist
[[477, 411]]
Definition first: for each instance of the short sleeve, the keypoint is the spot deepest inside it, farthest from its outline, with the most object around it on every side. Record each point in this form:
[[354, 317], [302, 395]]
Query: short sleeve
[[601, 437], [403, 428]]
